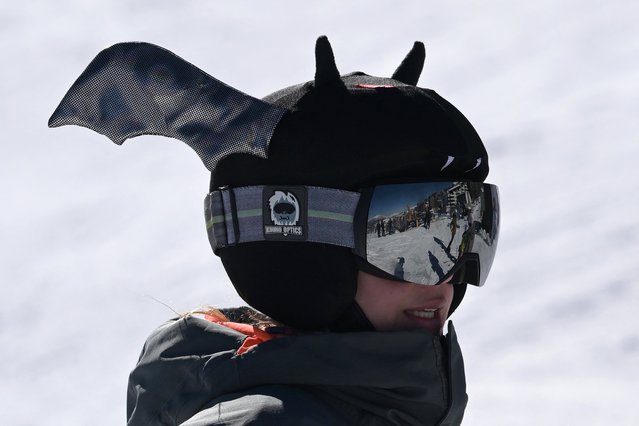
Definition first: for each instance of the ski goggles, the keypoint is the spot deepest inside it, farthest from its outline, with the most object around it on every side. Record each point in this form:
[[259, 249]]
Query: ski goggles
[[424, 232]]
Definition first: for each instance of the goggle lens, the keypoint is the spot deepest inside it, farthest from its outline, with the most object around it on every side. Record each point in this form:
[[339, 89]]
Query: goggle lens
[[425, 232]]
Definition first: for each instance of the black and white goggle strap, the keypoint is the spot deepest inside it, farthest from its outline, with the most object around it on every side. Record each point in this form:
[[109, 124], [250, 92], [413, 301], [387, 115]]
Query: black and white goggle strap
[[280, 213]]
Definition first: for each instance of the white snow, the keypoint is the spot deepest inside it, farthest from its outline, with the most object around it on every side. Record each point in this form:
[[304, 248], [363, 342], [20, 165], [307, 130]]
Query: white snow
[[426, 259], [96, 237]]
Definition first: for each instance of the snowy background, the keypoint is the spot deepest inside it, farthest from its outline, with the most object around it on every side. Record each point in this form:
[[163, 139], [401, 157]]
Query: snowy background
[[94, 236]]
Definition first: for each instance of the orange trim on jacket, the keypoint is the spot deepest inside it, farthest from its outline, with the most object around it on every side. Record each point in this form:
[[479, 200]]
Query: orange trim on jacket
[[254, 335]]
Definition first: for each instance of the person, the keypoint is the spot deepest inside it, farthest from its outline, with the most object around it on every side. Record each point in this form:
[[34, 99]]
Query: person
[[453, 229], [330, 336], [427, 218]]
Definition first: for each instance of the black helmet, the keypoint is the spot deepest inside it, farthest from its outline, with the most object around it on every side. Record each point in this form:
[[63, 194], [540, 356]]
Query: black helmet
[[344, 132]]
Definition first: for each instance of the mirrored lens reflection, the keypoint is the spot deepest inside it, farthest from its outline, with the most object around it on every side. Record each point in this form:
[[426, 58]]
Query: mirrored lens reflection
[[418, 232], [485, 245]]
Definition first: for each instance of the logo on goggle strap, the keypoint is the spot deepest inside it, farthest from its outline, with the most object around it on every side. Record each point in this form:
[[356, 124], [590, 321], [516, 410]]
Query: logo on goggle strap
[[285, 210], [285, 213]]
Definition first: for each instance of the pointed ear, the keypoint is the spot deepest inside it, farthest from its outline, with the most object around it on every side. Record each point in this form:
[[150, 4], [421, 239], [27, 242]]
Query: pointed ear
[[411, 67], [326, 73]]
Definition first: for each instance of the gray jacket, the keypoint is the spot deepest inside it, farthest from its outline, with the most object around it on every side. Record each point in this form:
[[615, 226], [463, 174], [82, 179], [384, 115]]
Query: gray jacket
[[189, 374]]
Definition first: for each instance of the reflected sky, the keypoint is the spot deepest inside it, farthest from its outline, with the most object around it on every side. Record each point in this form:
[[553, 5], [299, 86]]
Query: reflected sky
[[390, 199]]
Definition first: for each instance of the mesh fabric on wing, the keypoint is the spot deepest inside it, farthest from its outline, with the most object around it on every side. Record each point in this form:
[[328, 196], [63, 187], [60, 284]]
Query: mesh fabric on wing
[[132, 89]]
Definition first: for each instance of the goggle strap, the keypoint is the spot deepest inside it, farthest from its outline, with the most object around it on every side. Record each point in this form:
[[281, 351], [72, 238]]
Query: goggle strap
[[238, 215]]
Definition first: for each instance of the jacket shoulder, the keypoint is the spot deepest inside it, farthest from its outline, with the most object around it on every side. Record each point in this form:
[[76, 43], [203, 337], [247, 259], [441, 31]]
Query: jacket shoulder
[[169, 368], [268, 405], [189, 336]]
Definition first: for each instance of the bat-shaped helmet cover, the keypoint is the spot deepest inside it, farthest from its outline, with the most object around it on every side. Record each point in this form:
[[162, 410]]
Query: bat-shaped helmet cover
[[344, 132]]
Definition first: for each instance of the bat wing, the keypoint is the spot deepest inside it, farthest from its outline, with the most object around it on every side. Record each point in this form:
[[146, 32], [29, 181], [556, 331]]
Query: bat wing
[[133, 89]]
